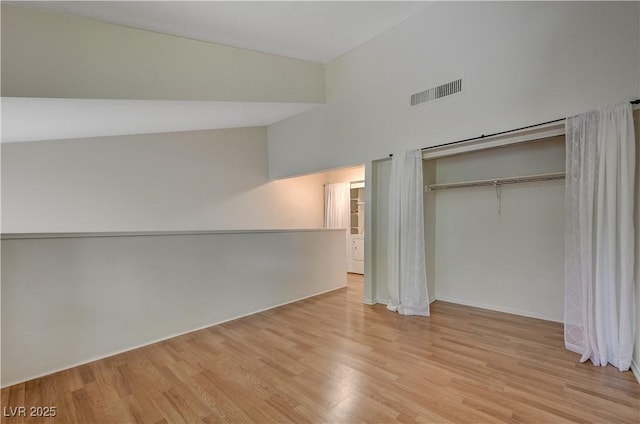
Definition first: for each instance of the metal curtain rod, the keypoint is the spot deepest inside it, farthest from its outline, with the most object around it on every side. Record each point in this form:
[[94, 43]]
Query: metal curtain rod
[[499, 181], [633, 102]]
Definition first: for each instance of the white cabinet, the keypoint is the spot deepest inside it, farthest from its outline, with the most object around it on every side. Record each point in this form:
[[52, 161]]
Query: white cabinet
[[356, 253]]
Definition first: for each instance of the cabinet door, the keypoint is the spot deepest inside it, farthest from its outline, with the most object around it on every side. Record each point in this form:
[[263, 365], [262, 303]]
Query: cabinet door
[[357, 255], [357, 249]]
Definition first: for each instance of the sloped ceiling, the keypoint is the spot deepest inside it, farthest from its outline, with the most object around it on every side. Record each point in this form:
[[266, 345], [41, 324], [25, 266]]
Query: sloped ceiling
[[313, 31]]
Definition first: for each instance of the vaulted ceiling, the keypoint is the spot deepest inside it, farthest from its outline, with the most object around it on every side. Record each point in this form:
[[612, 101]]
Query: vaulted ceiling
[[317, 31], [65, 88]]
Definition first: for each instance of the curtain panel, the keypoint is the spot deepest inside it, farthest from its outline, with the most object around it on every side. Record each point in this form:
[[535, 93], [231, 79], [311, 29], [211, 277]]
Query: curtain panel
[[337, 210], [599, 236], [406, 266]]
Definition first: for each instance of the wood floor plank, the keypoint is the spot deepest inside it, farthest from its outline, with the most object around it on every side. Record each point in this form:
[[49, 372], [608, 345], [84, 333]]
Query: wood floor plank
[[332, 359]]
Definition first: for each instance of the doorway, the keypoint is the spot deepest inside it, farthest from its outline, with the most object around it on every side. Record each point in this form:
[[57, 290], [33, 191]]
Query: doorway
[[353, 182], [355, 263]]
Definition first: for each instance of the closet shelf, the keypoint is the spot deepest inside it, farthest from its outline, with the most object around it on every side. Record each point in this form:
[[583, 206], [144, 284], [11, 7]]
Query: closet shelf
[[498, 181]]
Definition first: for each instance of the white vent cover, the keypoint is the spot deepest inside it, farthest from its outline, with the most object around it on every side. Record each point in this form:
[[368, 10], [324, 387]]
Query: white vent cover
[[438, 92]]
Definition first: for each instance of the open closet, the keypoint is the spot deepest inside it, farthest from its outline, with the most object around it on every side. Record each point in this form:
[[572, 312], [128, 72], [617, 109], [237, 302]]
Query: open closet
[[494, 225], [529, 222]]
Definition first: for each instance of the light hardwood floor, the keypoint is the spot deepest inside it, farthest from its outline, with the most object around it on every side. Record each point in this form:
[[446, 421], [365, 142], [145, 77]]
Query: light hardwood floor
[[332, 359]]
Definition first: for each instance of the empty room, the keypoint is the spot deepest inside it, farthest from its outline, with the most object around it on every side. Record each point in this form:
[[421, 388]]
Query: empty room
[[320, 212]]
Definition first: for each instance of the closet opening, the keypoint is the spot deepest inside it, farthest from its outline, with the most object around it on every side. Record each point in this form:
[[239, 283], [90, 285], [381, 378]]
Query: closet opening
[[494, 221], [494, 224]]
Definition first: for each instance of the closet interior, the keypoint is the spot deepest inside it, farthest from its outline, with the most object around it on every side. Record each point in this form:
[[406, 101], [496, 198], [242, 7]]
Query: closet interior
[[494, 227]]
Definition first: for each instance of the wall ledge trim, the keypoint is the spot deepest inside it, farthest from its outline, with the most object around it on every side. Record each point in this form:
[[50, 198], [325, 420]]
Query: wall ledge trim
[[22, 236]]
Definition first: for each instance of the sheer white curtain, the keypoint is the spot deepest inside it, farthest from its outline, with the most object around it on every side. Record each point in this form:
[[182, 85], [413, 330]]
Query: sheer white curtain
[[599, 237], [337, 213], [407, 274], [337, 209]]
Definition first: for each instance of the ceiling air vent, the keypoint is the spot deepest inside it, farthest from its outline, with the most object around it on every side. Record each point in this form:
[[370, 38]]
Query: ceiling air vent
[[438, 92]]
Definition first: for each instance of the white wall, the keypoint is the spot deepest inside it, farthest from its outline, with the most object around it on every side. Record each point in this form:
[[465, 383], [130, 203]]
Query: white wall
[[530, 158], [46, 54], [429, 171], [377, 278], [197, 180], [512, 261], [522, 63], [636, 354], [67, 301]]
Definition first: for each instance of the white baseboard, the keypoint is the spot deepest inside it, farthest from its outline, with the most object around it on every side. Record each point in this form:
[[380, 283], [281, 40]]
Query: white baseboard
[[97, 358], [635, 368], [384, 301], [369, 301], [497, 308], [373, 301]]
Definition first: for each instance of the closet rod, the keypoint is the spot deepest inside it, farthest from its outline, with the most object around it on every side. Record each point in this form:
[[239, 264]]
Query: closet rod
[[633, 102], [499, 181]]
